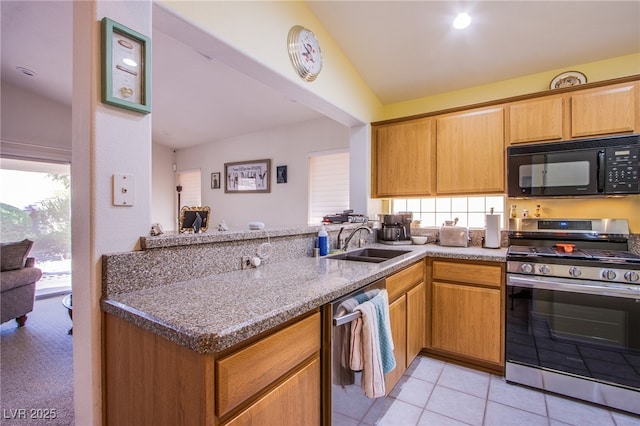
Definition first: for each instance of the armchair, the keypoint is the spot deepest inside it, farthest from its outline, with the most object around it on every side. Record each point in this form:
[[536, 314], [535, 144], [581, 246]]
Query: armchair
[[18, 277]]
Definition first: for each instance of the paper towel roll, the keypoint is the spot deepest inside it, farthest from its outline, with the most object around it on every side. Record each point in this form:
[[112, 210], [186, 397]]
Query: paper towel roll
[[492, 232]]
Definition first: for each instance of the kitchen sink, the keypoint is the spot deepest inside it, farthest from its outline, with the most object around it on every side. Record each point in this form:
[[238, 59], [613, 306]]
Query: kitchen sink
[[372, 255]]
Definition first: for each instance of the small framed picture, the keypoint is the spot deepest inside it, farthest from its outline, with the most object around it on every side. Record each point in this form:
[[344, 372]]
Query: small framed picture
[[215, 180], [247, 176], [281, 175]]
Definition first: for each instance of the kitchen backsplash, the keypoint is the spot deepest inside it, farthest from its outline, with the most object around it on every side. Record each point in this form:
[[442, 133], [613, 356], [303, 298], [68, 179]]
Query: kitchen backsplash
[[171, 258]]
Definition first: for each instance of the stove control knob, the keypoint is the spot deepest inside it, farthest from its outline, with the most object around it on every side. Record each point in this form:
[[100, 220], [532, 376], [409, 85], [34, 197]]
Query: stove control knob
[[575, 272], [608, 274], [544, 269], [631, 276], [526, 268]]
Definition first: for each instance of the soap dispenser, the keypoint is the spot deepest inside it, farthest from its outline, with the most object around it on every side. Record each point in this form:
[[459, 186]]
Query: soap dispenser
[[323, 241]]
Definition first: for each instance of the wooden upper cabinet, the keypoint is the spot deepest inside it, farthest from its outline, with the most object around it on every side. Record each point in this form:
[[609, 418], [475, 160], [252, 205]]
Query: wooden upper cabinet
[[470, 152], [403, 159], [605, 110], [537, 120]]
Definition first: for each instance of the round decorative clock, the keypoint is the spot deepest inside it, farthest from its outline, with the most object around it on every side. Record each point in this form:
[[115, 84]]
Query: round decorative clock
[[304, 53]]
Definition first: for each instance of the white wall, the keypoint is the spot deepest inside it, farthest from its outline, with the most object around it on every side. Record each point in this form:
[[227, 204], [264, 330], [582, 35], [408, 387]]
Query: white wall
[[105, 140], [163, 188], [286, 204], [34, 126]]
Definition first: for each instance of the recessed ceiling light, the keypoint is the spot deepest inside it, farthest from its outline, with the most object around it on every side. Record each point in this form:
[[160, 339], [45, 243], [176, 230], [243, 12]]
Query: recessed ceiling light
[[26, 71], [462, 21]]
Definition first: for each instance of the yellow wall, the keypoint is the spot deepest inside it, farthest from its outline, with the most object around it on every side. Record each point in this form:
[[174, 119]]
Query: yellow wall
[[595, 71], [627, 207]]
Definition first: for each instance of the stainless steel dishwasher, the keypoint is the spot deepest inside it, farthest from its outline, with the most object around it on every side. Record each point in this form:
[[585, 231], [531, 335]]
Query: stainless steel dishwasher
[[344, 399]]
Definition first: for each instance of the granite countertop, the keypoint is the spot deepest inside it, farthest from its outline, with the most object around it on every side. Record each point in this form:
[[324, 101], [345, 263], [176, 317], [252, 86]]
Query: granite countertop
[[214, 313]]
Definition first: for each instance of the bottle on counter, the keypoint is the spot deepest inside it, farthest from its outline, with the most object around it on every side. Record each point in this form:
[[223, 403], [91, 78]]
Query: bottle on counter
[[514, 213], [537, 213], [323, 241]]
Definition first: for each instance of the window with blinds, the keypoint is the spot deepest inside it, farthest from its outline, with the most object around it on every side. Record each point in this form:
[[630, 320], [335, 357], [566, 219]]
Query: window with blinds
[[191, 188], [328, 184]]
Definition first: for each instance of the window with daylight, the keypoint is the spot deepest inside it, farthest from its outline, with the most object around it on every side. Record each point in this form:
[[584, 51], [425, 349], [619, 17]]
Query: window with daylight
[[470, 211], [328, 184], [35, 203], [191, 194]]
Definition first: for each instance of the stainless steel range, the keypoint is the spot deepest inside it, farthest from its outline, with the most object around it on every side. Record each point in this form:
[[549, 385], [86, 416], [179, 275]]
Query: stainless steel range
[[573, 310]]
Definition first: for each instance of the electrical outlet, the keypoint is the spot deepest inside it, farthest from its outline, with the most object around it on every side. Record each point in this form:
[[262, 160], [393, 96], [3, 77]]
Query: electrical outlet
[[245, 262]]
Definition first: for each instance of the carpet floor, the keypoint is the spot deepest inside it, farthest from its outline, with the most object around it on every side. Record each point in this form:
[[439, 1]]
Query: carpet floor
[[36, 368]]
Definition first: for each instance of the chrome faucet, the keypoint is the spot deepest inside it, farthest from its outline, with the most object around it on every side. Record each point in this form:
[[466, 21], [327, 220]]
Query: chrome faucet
[[348, 239]]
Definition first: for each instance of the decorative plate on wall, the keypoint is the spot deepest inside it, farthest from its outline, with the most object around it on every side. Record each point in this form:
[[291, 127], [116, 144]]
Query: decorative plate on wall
[[568, 79]]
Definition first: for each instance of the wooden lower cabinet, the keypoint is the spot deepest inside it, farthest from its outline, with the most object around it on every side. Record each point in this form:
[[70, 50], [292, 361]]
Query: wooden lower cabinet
[[466, 321], [291, 403], [274, 379], [398, 319], [407, 301], [466, 312], [416, 320]]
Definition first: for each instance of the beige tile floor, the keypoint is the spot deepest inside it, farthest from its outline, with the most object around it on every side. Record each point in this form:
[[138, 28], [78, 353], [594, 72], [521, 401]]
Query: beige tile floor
[[437, 393]]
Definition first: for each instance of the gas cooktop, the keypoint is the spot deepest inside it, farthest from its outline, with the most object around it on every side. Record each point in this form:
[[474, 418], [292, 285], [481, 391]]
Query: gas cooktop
[[531, 252]]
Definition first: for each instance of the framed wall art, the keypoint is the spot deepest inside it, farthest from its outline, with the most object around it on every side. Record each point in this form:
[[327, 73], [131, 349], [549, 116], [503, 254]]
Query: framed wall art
[[126, 67], [247, 176], [215, 180], [281, 174]]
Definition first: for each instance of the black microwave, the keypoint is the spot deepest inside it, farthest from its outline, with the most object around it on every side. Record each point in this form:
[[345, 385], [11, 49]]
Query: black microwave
[[604, 166]]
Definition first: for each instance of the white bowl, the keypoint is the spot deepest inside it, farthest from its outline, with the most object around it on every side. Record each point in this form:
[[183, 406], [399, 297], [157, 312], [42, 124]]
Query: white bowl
[[417, 239]]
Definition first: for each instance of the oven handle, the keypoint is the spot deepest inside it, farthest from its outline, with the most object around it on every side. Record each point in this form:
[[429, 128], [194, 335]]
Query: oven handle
[[575, 286]]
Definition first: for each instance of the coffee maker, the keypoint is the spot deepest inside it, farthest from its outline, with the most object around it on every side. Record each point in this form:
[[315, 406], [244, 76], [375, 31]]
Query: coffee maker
[[395, 228]]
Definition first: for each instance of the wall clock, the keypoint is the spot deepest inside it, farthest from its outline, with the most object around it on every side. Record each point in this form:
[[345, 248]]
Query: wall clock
[[304, 53]]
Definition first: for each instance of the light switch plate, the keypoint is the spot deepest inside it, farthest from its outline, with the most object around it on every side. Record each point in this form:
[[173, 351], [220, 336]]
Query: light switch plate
[[124, 190]]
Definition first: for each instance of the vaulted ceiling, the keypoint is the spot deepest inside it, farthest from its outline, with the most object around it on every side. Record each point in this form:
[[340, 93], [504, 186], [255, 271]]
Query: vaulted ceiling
[[402, 49]]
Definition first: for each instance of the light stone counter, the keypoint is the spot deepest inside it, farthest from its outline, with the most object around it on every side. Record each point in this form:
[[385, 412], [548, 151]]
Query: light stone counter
[[214, 313]]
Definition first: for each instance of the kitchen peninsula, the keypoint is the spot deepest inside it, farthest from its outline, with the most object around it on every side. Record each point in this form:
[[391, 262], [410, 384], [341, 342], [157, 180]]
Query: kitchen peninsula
[[192, 338]]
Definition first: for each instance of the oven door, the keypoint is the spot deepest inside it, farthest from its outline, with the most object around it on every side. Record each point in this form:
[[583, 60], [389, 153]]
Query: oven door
[[584, 328], [563, 173]]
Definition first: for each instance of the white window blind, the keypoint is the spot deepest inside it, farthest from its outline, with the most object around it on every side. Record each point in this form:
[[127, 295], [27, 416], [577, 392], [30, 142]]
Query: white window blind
[[328, 184], [191, 191]]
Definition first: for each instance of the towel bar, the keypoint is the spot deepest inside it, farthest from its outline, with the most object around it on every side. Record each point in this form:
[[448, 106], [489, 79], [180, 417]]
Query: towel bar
[[345, 319]]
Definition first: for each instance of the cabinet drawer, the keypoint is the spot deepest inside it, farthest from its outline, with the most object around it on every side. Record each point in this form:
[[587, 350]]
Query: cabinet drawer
[[249, 370], [473, 273], [400, 282], [295, 402]]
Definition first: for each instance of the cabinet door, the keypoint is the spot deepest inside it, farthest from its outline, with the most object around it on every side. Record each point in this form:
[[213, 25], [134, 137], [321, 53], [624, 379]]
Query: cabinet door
[[398, 319], [604, 110], [416, 320], [466, 321], [470, 152], [537, 120], [294, 402], [403, 159]]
